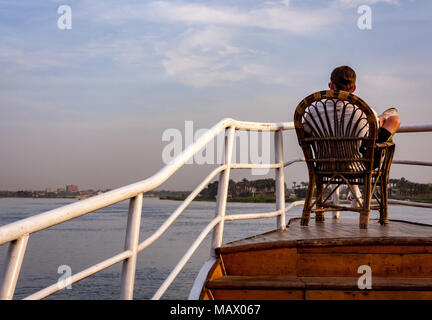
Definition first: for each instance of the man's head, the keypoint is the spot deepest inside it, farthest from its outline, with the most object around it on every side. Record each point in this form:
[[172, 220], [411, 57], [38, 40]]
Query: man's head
[[343, 78]]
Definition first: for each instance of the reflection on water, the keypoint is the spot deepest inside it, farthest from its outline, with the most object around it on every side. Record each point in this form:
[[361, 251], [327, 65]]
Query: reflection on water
[[87, 240]]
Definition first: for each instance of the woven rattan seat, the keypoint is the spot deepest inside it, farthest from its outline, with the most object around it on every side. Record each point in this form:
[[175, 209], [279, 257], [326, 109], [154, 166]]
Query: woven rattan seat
[[337, 132]]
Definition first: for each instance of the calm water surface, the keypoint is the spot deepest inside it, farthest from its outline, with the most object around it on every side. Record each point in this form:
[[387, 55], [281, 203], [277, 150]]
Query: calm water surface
[[87, 240]]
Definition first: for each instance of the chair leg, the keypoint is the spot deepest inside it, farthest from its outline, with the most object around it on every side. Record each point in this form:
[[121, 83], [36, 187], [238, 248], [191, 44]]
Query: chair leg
[[308, 202], [367, 194], [319, 216], [384, 202], [384, 186]]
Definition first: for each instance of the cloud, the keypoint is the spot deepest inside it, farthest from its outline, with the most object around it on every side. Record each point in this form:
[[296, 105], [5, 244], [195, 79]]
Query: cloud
[[206, 44], [208, 57], [270, 15], [279, 16], [209, 52], [356, 3]]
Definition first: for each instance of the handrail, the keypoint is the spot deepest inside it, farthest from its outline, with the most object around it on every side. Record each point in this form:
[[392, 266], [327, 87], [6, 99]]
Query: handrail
[[80, 276], [144, 244], [410, 203], [413, 162], [185, 258], [17, 233], [415, 128], [53, 217], [50, 218]]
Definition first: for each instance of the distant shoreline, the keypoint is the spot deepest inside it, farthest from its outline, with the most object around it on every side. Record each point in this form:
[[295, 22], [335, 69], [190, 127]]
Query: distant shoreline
[[22, 197], [244, 191], [248, 199], [272, 199], [259, 199]]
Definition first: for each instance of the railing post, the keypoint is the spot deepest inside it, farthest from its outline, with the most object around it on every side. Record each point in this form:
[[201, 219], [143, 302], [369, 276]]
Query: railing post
[[223, 190], [12, 267], [131, 243], [280, 179]]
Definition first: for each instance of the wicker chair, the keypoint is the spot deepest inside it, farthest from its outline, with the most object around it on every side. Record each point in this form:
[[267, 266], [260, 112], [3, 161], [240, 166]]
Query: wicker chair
[[337, 132]]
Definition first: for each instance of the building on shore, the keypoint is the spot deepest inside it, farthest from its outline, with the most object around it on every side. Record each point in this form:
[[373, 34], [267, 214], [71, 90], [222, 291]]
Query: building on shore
[[71, 188]]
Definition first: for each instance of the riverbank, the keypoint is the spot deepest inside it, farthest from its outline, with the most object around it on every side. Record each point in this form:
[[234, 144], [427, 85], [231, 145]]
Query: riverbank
[[182, 197], [272, 199]]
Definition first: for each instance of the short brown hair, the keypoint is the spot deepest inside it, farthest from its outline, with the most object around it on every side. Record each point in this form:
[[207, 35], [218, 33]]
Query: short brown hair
[[344, 78]]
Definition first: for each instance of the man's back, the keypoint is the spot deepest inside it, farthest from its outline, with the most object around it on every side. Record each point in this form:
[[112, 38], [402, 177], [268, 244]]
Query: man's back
[[337, 119]]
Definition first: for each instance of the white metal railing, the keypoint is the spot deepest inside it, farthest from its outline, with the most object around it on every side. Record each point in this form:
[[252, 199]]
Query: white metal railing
[[17, 233]]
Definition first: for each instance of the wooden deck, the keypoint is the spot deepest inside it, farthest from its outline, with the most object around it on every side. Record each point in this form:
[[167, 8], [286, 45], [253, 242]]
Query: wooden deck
[[321, 261], [337, 231]]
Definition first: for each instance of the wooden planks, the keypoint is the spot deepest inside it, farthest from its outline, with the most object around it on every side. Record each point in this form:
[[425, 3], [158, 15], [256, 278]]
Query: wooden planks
[[364, 249], [256, 282], [321, 261], [367, 295], [255, 294], [317, 288], [382, 265], [252, 294], [319, 283], [336, 231], [279, 261], [290, 262]]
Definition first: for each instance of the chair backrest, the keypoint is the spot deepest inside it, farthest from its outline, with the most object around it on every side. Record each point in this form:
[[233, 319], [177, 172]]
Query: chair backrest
[[331, 127]]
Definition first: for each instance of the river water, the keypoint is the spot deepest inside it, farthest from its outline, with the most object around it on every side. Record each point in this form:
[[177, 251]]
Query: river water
[[87, 240]]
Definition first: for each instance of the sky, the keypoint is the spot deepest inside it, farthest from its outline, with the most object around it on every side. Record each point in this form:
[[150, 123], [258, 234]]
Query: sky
[[89, 105]]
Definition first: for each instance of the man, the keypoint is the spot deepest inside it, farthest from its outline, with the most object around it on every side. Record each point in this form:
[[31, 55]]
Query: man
[[344, 78]]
